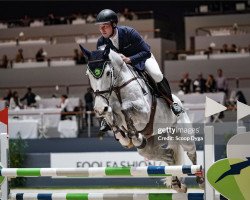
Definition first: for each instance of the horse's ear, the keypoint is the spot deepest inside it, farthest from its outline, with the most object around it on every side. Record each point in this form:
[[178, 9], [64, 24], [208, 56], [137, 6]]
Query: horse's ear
[[85, 52], [106, 51]]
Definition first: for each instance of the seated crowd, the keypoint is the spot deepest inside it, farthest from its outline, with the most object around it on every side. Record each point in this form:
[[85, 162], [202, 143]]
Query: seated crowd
[[226, 48], [40, 56], [75, 18], [31, 100], [211, 85], [202, 85]]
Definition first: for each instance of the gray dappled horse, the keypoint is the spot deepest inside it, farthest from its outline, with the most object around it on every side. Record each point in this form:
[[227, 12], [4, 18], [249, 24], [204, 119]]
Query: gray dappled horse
[[136, 117]]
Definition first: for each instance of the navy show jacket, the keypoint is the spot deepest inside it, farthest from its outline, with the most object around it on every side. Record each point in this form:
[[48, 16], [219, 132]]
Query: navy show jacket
[[131, 45]]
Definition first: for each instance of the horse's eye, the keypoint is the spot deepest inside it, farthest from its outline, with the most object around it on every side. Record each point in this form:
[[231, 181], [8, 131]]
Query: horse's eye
[[108, 73]]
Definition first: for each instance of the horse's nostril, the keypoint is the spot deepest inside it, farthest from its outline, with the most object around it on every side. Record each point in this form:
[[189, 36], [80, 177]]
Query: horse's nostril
[[106, 109]]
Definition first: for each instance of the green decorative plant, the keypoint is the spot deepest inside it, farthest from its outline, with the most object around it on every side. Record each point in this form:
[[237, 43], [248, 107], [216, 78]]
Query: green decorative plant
[[17, 158]]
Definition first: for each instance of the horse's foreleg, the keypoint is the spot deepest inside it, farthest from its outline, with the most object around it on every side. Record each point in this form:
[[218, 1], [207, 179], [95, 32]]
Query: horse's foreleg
[[114, 120], [122, 138], [139, 141], [132, 132], [137, 138]]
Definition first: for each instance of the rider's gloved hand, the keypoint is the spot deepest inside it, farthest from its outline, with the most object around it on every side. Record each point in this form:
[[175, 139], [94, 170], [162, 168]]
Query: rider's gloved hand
[[125, 59]]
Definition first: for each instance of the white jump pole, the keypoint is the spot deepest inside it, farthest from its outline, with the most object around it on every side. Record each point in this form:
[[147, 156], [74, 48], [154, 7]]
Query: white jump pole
[[4, 160], [209, 159]]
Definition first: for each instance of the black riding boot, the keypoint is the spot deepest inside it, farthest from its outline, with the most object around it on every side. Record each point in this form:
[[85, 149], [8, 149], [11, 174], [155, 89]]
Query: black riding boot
[[104, 128], [166, 91]]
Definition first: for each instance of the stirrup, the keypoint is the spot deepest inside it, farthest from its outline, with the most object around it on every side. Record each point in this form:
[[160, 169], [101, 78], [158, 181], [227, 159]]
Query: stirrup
[[177, 109]]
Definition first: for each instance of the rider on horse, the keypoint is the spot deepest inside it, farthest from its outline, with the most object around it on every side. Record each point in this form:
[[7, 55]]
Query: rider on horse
[[134, 51]]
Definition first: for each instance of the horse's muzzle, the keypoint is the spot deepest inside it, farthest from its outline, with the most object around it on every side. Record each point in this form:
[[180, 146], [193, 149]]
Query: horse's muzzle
[[102, 112]]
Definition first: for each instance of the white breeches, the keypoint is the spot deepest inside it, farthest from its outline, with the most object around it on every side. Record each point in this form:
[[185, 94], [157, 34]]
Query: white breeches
[[152, 67]]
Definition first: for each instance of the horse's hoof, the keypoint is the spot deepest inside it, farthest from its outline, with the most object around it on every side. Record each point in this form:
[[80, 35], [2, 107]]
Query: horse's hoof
[[129, 146], [180, 189], [178, 186], [201, 182]]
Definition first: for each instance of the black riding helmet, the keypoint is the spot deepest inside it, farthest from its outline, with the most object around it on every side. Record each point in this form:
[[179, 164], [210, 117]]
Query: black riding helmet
[[106, 16]]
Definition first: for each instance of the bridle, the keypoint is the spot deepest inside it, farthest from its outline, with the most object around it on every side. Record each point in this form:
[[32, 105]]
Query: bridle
[[109, 91], [113, 87]]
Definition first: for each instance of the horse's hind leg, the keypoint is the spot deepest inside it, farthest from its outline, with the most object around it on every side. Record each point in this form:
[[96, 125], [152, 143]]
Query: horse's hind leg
[[154, 151], [178, 184]]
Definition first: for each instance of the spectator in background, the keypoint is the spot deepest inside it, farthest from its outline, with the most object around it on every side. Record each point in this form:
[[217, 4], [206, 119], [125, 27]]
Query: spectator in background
[[199, 84], [89, 101], [26, 21], [30, 97], [240, 97], [8, 97], [21, 37], [40, 55], [248, 48], [224, 49], [233, 48], [73, 17], [222, 86], [51, 20], [221, 82], [19, 56], [127, 14], [209, 51], [64, 105], [14, 101], [235, 28], [5, 62], [185, 83], [79, 57], [90, 18], [121, 17], [234, 97], [211, 84]]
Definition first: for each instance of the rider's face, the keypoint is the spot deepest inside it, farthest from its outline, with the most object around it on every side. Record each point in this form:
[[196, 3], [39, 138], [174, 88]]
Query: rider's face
[[106, 29]]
